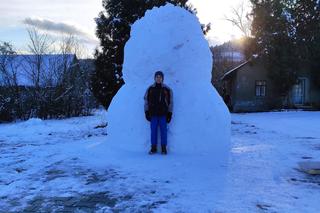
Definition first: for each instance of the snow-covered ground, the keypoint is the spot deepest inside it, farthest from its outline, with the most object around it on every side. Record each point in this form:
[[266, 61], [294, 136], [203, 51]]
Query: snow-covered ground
[[263, 175], [58, 165]]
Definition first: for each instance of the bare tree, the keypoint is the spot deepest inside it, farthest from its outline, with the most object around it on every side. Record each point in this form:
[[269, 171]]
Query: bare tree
[[39, 45], [10, 91], [70, 44], [53, 85], [241, 18], [36, 68], [76, 79]]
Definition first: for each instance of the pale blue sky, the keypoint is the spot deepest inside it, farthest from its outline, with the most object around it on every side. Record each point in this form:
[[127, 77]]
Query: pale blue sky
[[80, 14]]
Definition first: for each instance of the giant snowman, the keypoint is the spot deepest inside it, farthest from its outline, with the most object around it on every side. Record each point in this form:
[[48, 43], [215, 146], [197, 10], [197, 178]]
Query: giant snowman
[[170, 39]]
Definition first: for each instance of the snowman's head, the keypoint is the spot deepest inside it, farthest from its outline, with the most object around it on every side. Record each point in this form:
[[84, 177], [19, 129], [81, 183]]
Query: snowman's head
[[158, 77]]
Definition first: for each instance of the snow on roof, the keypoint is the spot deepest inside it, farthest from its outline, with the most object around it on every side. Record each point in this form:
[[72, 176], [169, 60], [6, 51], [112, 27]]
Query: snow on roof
[[233, 70], [233, 55], [25, 67]]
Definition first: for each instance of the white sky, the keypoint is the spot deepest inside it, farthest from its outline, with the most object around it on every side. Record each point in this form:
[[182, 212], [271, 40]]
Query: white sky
[[215, 11], [81, 13]]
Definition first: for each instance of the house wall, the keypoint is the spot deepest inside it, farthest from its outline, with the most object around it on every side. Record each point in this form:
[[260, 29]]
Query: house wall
[[313, 94], [241, 85], [305, 73], [312, 91], [244, 87]]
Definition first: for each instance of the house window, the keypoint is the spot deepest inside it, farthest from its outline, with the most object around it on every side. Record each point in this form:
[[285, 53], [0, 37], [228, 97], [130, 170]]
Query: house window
[[261, 88]]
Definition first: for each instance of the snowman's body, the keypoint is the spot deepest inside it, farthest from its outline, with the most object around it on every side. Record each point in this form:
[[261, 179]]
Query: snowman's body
[[170, 39]]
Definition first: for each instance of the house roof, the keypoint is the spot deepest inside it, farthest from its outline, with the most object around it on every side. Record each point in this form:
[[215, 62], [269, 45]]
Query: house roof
[[24, 68], [233, 70]]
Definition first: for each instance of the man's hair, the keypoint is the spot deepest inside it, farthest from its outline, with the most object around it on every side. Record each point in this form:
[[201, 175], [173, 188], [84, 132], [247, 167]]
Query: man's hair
[[159, 73]]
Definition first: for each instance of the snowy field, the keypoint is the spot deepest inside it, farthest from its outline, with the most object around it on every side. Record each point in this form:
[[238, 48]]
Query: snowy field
[[59, 166]]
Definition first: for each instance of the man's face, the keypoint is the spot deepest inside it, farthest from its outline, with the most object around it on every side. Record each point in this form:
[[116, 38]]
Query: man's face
[[158, 79]]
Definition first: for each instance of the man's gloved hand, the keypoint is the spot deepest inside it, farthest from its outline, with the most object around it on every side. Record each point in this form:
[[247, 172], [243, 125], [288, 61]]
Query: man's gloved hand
[[147, 115], [169, 115]]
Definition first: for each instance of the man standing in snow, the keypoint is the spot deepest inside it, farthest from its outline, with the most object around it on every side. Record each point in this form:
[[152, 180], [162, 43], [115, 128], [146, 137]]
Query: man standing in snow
[[158, 110]]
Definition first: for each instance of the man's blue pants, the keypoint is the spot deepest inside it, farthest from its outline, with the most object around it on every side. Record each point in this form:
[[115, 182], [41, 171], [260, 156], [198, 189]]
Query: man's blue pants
[[158, 121]]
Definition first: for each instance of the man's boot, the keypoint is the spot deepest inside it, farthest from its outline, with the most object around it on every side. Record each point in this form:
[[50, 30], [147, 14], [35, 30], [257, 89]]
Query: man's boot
[[163, 149], [153, 149]]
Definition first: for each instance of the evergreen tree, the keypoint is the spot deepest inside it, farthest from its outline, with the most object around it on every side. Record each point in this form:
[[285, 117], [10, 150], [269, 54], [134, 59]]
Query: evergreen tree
[[306, 16], [113, 30], [274, 39]]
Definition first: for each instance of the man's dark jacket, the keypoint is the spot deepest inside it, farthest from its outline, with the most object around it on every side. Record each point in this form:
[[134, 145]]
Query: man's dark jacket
[[158, 100]]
